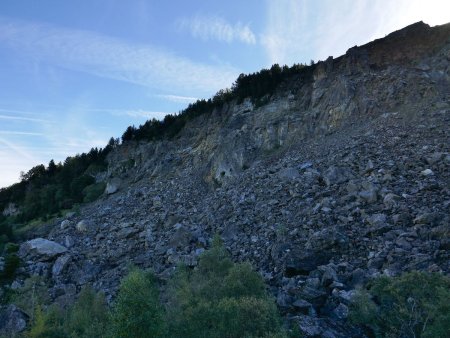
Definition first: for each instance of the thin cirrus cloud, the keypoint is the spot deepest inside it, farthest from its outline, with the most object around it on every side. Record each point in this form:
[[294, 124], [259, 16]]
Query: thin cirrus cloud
[[141, 114], [17, 150], [13, 159], [179, 98], [294, 33], [216, 28], [22, 118], [21, 133], [135, 113], [113, 58], [16, 157]]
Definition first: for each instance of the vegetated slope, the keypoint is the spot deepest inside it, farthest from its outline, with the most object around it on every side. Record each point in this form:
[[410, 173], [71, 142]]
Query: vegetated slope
[[340, 175]]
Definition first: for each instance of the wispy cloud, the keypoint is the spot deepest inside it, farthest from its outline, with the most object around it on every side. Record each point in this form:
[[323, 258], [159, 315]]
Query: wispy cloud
[[113, 58], [142, 114], [17, 150], [286, 25], [21, 133], [296, 33], [179, 98], [14, 158], [135, 113], [216, 28], [22, 118]]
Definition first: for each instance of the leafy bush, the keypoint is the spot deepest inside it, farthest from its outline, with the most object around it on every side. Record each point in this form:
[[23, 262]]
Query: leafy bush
[[12, 262], [93, 191], [46, 324], [221, 299], [39, 324], [34, 292], [137, 312], [88, 317], [11, 247], [6, 234], [415, 304]]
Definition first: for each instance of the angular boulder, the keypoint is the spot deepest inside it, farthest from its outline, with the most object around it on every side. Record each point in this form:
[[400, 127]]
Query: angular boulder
[[60, 264], [42, 249], [112, 186], [82, 226], [12, 321]]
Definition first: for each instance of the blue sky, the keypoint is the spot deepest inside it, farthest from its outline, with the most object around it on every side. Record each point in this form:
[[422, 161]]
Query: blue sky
[[75, 73]]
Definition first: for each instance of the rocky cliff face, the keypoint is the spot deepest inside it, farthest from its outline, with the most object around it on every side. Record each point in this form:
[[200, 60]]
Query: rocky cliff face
[[341, 176]]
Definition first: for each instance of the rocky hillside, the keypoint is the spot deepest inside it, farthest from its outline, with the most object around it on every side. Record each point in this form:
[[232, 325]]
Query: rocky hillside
[[342, 175]]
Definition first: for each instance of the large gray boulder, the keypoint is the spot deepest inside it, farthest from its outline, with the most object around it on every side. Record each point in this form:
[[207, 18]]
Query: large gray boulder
[[12, 321], [60, 264], [113, 185], [41, 249], [82, 226]]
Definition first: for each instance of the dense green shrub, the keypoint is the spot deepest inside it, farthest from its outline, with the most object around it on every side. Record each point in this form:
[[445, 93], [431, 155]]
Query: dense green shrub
[[6, 234], [33, 292], [416, 304], [137, 312], [12, 262], [86, 318], [93, 191], [221, 299], [38, 325], [47, 324], [11, 247]]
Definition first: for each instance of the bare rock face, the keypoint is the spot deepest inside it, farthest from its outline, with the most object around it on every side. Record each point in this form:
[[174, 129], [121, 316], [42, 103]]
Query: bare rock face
[[41, 249]]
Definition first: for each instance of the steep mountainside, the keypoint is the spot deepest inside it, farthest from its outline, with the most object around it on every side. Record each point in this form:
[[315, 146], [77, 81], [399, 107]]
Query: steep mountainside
[[342, 175]]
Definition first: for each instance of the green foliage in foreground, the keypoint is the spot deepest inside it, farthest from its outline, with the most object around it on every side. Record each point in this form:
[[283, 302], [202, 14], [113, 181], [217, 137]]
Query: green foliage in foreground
[[137, 312], [218, 299], [12, 262], [86, 318], [221, 299], [93, 191], [415, 304]]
